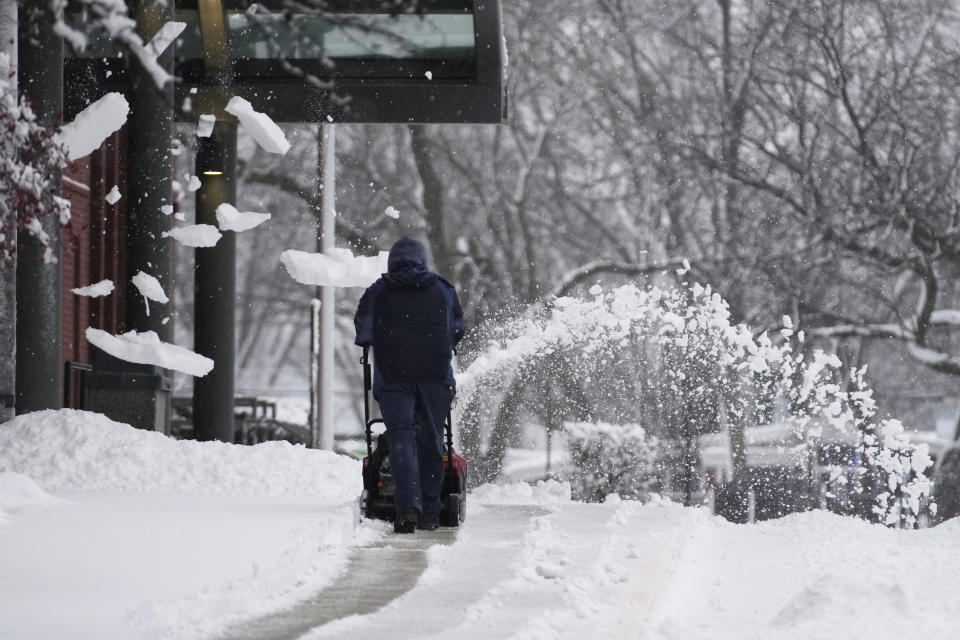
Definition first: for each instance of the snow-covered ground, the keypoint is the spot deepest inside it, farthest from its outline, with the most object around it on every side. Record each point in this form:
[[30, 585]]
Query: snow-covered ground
[[110, 532]]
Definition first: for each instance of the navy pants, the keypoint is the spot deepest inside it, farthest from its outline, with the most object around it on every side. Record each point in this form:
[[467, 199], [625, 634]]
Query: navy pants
[[414, 414]]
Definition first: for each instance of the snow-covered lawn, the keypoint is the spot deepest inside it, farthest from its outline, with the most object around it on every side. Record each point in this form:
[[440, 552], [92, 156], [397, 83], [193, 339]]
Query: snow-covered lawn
[[132, 535]]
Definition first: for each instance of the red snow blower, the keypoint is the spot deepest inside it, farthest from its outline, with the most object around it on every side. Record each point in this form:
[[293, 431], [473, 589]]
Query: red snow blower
[[376, 501]]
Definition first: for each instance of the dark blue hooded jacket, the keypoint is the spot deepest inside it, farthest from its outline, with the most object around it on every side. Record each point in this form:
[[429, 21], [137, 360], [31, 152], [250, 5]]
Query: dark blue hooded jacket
[[412, 318]]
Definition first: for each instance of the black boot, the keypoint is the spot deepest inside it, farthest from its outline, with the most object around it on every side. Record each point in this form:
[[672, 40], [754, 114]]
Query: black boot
[[406, 520], [428, 523]]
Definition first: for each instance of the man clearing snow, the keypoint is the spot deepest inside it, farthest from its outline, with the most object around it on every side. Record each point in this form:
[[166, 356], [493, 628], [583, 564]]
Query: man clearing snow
[[412, 318]]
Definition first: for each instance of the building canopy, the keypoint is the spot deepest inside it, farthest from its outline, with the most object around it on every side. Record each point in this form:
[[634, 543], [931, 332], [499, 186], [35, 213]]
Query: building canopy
[[354, 61]]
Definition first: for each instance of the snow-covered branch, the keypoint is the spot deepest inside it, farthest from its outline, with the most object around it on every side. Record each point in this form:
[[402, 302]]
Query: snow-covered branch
[[111, 19], [592, 269], [30, 161]]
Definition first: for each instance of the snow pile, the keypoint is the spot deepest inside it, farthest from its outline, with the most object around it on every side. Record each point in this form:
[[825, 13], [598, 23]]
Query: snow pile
[[338, 269], [813, 575], [195, 235], [102, 288], [544, 492], [147, 348], [86, 451], [259, 125], [230, 219], [17, 491], [93, 125]]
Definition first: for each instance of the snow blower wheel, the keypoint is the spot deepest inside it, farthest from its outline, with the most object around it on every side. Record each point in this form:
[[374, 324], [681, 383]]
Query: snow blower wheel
[[376, 500]]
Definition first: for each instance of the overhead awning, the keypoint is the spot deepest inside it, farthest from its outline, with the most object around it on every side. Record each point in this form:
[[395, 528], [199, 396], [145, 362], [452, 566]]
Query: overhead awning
[[351, 62]]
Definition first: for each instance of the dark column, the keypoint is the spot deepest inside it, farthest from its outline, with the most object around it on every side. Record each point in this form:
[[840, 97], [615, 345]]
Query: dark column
[[8, 264], [149, 135], [38, 283], [215, 289]]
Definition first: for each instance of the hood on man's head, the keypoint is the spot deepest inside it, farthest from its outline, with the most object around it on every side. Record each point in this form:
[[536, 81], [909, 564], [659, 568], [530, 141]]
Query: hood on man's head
[[406, 253]]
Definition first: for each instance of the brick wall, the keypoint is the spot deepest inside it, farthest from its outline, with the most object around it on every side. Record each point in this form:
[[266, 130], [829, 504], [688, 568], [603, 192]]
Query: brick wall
[[93, 249]]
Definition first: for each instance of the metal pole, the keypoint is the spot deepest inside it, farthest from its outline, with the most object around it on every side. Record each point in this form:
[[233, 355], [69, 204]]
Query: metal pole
[[215, 294], [38, 357], [314, 371], [327, 153]]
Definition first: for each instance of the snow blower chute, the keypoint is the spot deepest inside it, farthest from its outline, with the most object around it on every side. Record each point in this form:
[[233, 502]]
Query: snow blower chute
[[376, 501]]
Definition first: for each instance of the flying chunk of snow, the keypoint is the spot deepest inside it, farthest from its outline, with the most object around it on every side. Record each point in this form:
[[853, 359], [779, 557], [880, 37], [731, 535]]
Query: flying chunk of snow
[[113, 196], [180, 215], [230, 219], [338, 269], [596, 290], [429, 75], [147, 348], [149, 288], [787, 322], [390, 212], [102, 288], [684, 268], [166, 209], [259, 125], [93, 125], [163, 38], [194, 183], [205, 125], [195, 235]]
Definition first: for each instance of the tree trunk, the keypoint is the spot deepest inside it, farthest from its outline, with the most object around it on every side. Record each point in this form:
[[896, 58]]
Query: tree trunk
[[434, 206]]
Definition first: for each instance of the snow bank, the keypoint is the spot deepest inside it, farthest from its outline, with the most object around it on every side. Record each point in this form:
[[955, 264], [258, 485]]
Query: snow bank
[[69, 449], [259, 125], [195, 235], [813, 575], [544, 492], [338, 269], [18, 491], [230, 219], [93, 125], [147, 348], [102, 288]]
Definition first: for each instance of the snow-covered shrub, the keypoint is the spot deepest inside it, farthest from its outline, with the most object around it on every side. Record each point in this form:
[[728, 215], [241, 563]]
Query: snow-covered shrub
[[30, 160], [901, 466], [610, 458]]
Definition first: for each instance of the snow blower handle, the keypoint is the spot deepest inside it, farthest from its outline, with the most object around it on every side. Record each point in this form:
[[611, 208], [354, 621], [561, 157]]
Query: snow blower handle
[[365, 361], [449, 428]]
